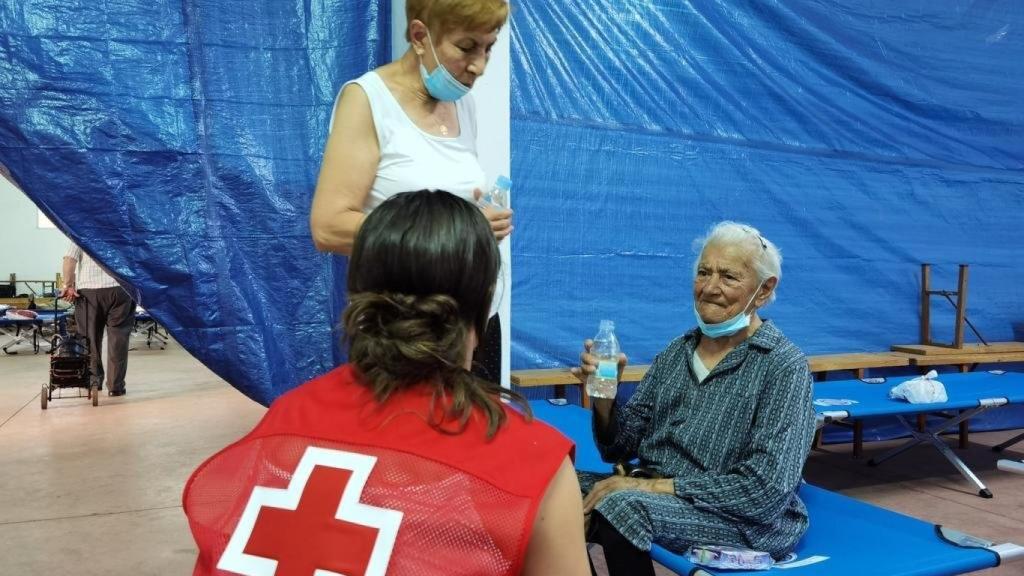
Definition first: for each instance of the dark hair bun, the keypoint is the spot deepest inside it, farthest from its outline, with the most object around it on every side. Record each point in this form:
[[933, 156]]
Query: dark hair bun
[[403, 337], [420, 278]]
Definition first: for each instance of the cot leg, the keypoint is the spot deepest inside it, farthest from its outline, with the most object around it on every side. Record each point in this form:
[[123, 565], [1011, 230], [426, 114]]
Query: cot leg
[[1008, 443], [964, 431], [964, 427], [816, 441], [960, 466], [858, 438], [560, 391], [934, 439], [18, 338], [918, 437], [858, 426]]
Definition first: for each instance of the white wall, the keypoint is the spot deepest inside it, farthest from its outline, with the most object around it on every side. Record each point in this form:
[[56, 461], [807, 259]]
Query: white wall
[[31, 252], [492, 94]]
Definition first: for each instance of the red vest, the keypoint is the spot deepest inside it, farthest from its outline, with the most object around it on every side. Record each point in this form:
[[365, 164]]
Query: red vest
[[332, 480]]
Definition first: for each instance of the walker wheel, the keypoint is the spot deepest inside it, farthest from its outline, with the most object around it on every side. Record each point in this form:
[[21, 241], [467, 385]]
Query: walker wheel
[[44, 396], [95, 392]]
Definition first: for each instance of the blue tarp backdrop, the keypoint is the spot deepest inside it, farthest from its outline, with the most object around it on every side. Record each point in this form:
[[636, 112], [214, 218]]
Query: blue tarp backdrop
[[863, 138], [179, 143]]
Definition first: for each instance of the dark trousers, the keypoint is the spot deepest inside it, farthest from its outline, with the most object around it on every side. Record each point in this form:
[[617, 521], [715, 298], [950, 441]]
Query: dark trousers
[[622, 557], [111, 310], [487, 356]]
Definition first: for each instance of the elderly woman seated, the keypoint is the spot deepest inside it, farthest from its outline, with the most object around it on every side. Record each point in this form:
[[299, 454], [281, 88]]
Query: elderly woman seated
[[721, 424]]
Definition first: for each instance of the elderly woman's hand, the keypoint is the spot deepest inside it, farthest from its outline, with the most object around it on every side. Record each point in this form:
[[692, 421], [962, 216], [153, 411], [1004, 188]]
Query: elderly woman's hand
[[588, 363], [617, 483]]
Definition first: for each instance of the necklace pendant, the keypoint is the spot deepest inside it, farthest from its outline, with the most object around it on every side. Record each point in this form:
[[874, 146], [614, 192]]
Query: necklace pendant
[[444, 130]]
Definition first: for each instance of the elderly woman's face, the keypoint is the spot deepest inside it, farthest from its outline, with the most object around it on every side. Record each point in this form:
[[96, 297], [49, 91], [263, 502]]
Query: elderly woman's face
[[725, 282], [464, 53]]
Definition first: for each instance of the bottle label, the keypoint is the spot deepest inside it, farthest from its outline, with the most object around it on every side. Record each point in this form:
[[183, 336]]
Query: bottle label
[[608, 370]]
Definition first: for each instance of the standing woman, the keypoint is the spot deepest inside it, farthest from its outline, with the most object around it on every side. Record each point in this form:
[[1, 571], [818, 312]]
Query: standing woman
[[410, 125]]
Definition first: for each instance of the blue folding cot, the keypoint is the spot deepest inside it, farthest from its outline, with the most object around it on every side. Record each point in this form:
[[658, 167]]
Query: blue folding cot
[[20, 330], [968, 394], [886, 543], [147, 327]]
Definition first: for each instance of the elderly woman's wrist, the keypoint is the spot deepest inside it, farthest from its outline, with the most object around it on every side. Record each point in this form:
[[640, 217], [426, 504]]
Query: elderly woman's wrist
[[665, 486], [677, 486]]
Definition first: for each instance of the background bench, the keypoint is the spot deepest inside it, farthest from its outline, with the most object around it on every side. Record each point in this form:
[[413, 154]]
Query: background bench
[[820, 365]]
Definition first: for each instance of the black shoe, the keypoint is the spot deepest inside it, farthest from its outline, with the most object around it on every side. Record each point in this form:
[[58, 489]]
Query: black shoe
[[120, 392]]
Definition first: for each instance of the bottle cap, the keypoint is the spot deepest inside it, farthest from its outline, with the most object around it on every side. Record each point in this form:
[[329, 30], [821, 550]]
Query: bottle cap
[[503, 182]]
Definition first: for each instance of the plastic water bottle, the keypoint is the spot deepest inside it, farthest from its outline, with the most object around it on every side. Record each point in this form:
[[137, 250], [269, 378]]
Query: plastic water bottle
[[604, 383], [497, 196]]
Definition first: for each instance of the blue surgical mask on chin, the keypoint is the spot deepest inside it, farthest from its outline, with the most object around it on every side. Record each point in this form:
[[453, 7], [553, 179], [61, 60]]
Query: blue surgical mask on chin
[[730, 326], [440, 83]]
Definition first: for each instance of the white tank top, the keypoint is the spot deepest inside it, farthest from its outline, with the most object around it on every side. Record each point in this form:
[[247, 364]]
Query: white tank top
[[411, 159]]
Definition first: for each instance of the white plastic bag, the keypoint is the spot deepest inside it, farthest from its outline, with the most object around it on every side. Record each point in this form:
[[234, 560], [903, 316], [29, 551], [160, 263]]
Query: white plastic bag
[[921, 390]]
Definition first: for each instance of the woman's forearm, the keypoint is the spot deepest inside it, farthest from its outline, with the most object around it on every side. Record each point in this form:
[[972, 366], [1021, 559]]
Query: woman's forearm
[[336, 233]]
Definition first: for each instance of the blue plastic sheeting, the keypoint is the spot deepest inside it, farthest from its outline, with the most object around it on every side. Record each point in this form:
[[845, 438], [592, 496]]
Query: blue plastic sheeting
[[179, 142], [864, 138]]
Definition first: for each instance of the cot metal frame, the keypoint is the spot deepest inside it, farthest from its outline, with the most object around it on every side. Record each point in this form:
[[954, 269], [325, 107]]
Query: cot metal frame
[[931, 437]]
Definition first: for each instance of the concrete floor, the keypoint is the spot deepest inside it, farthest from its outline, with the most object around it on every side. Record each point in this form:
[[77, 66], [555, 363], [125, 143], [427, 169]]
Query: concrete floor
[[89, 490], [99, 489]]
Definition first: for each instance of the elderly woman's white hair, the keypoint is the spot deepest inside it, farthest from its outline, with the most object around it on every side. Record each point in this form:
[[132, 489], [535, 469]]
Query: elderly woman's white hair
[[764, 255]]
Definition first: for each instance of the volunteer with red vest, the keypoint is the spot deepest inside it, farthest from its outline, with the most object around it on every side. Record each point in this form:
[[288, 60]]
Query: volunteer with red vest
[[402, 461]]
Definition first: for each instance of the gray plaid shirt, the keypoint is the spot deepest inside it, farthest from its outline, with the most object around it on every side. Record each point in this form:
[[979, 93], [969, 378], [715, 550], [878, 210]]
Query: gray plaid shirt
[[735, 443]]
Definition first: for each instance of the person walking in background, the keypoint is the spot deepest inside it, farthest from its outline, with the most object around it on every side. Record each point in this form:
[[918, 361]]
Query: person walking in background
[[101, 304]]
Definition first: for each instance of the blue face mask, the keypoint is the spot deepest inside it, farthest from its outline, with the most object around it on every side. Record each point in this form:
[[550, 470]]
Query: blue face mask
[[440, 83], [730, 326]]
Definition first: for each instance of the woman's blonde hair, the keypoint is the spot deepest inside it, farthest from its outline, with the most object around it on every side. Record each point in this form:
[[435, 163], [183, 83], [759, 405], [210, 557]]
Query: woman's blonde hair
[[443, 16]]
